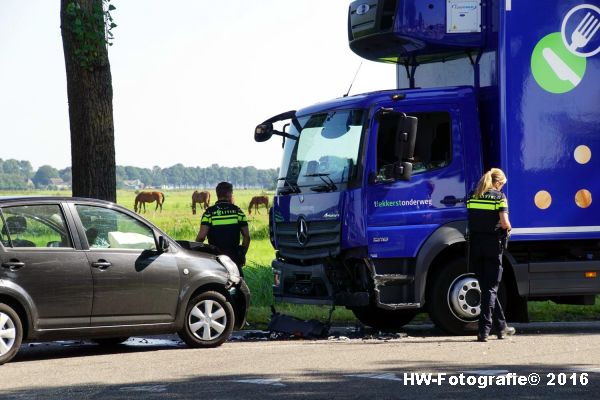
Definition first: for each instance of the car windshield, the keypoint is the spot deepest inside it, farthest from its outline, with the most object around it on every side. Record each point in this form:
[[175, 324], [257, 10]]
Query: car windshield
[[326, 151]]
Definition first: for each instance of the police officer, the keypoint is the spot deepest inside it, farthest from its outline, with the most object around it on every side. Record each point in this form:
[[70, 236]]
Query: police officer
[[488, 229], [223, 223]]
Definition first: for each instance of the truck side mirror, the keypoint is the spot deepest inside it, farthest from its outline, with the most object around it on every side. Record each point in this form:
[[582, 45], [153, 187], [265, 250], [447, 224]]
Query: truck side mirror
[[406, 137], [403, 171], [263, 132], [402, 131]]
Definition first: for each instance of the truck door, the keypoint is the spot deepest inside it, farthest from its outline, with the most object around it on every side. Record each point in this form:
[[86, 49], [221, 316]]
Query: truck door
[[401, 214]]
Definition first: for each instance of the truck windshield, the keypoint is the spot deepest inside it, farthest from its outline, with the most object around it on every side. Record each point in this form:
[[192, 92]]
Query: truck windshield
[[325, 153]]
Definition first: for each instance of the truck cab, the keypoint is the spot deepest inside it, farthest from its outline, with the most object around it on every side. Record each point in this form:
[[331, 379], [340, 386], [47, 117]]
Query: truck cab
[[370, 206]]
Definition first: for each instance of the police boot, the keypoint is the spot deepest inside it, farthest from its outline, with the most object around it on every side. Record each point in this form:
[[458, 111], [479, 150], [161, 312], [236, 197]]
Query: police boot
[[508, 331]]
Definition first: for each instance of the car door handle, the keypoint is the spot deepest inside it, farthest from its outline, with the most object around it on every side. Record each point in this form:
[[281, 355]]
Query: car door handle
[[13, 265], [101, 264], [451, 200]]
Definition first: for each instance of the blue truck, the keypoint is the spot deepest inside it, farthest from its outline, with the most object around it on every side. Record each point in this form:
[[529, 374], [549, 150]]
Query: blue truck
[[370, 206]]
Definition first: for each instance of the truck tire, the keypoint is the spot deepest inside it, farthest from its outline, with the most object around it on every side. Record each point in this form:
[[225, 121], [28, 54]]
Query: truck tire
[[11, 333], [209, 320], [382, 319], [454, 299]]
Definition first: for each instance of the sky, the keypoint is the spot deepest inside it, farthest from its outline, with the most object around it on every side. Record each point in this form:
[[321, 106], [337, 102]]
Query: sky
[[191, 78]]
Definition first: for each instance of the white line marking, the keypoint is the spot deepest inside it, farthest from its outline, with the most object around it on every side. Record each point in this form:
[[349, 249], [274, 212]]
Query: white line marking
[[557, 229], [385, 377], [508, 5], [150, 389], [595, 370], [487, 372], [270, 382]]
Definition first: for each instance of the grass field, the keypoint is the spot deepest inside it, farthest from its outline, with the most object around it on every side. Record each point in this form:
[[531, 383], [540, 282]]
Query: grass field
[[177, 220]]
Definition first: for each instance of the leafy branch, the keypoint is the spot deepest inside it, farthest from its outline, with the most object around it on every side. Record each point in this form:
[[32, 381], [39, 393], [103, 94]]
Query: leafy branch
[[92, 32]]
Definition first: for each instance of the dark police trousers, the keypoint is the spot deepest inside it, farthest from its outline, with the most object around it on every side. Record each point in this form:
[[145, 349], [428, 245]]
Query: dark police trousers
[[485, 259]]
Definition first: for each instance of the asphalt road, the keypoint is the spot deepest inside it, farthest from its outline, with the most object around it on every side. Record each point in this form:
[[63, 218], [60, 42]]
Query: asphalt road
[[566, 359]]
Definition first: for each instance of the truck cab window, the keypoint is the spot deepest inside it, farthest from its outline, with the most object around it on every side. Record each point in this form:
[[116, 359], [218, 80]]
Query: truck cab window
[[433, 148]]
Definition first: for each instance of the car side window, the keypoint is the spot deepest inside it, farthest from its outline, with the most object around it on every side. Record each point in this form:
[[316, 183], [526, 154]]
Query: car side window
[[3, 231], [41, 225], [108, 228]]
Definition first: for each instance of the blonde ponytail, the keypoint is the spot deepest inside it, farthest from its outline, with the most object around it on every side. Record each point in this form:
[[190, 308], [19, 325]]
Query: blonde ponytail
[[488, 180]]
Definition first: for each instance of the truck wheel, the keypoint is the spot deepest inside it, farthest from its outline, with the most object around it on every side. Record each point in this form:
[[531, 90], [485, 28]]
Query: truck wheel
[[382, 319], [11, 333], [209, 320], [455, 299]]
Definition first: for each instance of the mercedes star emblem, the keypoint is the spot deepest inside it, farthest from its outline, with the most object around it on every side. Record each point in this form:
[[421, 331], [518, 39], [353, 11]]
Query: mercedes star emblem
[[302, 232]]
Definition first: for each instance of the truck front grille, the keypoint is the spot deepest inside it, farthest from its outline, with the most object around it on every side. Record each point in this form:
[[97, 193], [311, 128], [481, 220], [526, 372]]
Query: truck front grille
[[323, 240]]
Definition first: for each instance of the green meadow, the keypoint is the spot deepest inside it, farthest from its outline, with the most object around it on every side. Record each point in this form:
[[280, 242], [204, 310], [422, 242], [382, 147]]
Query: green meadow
[[177, 220]]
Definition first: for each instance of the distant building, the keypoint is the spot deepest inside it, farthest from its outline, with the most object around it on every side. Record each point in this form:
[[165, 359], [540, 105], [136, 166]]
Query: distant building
[[135, 184], [59, 184]]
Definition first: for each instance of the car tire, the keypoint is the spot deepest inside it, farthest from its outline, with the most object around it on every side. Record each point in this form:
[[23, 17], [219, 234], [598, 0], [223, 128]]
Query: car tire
[[209, 320], [455, 298], [11, 333], [382, 319], [110, 342]]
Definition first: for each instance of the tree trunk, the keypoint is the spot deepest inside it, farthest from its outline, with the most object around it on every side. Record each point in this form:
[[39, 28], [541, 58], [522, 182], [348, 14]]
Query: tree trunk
[[89, 90]]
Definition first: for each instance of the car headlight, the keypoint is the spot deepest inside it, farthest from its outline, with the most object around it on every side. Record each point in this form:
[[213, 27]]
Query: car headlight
[[231, 267]]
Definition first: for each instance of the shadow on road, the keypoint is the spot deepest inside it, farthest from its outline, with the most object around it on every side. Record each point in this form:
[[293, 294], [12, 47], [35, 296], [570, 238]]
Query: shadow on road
[[74, 348], [424, 333], [376, 383]]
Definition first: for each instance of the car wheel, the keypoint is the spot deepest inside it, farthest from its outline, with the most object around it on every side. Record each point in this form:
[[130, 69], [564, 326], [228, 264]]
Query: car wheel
[[209, 320], [382, 319], [454, 300], [110, 342], [11, 333]]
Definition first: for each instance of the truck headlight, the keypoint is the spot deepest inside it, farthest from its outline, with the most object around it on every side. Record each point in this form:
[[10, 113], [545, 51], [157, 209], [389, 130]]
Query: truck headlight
[[231, 267]]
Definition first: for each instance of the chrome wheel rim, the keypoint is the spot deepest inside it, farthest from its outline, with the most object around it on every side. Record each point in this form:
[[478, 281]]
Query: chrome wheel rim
[[8, 333], [464, 298], [207, 320]]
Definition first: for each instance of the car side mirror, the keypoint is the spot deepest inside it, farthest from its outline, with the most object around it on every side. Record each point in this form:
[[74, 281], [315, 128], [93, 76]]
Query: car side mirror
[[163, 244]]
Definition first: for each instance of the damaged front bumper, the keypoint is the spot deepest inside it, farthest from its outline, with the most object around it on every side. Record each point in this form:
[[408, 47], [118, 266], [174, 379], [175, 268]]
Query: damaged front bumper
[[240, 295], [309, 284]]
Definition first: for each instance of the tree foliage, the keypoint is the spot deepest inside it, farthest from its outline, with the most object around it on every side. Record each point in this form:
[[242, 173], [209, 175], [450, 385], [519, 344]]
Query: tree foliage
[[19, 175], [180, 177], [44, 175], [15, 174]]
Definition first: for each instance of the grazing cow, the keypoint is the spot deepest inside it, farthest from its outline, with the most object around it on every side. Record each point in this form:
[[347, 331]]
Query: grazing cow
[[148, 197], [257, 201], [200, 197]]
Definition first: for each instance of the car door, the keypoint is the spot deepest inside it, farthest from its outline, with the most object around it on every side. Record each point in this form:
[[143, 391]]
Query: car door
[[402, 214], [38, 258], [134, 283]]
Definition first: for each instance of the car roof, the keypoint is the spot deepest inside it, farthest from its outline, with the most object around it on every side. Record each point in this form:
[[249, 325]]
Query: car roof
[[51, 198]]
